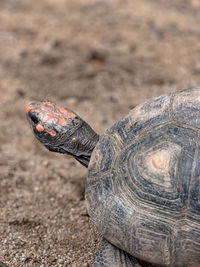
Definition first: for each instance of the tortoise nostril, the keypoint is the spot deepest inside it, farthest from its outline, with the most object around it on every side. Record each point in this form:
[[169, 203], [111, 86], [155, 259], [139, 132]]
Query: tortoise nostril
[[34, 117]]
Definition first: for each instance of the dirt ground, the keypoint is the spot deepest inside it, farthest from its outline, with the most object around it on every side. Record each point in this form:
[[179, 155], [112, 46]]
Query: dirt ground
[[99, 58]]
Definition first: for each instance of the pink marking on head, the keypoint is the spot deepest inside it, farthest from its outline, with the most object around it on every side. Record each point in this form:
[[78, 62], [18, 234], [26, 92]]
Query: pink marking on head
[[35, 110], [62, 110], [62, 122], [39, 127], [67, 112], [71, 114], [27, 109], [51, 114], [51, 132], [74, 139]]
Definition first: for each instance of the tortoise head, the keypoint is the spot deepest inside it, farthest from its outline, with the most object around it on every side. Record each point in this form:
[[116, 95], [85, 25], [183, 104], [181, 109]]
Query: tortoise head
[[61, 130]]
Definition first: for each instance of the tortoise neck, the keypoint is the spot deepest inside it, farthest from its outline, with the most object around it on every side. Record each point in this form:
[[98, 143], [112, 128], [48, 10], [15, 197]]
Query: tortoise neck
[[80, 143], [88, 139]]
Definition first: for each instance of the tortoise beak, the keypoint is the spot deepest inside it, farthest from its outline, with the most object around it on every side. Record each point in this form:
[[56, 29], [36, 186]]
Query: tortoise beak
[[32, 114], [33, 117]]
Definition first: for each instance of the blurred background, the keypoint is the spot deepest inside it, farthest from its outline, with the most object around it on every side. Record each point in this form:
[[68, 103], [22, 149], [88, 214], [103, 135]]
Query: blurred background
[[100, 58]]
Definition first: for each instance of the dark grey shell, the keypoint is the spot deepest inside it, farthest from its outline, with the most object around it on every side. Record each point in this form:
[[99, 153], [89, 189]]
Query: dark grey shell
[[143, 185]]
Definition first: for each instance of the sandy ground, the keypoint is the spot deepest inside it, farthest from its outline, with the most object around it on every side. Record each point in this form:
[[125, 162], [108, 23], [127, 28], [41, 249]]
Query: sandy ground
[[99, 58]]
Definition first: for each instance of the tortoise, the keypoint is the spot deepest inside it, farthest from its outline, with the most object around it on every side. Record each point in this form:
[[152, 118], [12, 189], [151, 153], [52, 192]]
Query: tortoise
[[143, 184]]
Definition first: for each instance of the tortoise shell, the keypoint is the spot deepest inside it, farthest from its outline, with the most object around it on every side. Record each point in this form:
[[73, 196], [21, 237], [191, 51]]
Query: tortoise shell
[[143, 185]]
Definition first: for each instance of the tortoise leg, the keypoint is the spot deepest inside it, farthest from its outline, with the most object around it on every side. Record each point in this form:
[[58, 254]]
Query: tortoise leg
[[110, 256]]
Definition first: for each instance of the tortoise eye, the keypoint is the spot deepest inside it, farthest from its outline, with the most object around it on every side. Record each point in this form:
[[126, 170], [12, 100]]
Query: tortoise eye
[[34, 117]]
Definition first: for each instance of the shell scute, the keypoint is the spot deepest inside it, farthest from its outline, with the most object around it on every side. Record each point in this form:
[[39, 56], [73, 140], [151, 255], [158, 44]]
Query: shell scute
[[166, 190], [103, 156], [185, 107], [142, 118], [194, 207], [187, 245], [153, 240]]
